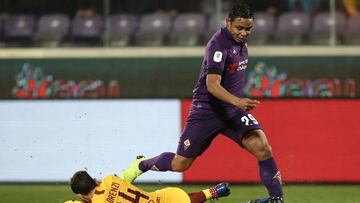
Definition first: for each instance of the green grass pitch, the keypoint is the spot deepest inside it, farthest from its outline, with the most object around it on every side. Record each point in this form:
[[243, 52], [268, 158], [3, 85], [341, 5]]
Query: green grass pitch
[[58, 193]]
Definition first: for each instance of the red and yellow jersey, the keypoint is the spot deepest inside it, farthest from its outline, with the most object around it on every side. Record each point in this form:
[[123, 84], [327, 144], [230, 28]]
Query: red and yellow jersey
[[115, 190]]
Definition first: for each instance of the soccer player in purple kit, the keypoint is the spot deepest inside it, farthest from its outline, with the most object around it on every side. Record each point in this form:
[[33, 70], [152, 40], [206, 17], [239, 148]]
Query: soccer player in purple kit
[[218, 106]]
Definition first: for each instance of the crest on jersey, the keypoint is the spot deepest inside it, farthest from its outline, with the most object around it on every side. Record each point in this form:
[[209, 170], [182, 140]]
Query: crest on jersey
[[217, 56], [277, 177], [186, 144], [234, 51]]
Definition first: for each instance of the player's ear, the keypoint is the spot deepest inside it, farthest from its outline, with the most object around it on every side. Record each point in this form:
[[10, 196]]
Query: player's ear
[[228, 22]]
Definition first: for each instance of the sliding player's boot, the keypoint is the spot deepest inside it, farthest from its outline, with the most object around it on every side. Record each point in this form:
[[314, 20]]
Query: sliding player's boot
[[268, 200], [220, 190], [133, 171]]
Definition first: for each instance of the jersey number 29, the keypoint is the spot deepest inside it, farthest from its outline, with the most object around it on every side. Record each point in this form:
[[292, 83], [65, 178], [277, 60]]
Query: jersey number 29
[[249, 118]]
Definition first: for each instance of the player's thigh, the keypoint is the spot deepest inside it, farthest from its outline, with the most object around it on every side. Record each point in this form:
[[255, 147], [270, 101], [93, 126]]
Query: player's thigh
[[240, 125], [197, 136]]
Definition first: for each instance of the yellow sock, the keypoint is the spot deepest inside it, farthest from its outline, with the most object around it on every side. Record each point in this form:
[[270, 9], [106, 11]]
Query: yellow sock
[[207, 193]]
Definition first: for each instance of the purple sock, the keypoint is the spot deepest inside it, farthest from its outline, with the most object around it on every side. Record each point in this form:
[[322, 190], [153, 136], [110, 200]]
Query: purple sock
[[270, 177], [158, 163]]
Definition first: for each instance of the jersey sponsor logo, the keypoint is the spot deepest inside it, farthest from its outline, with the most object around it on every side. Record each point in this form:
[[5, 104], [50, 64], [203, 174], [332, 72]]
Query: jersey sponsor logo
[[217, 56], [232, 68], [186, 144], [237, 66]]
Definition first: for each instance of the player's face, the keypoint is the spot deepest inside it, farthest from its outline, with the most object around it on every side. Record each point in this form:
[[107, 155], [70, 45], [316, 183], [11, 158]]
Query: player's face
[[239, 28]]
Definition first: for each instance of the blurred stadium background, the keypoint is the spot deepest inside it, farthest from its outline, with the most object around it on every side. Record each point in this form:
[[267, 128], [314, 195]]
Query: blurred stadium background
[[90, 84]]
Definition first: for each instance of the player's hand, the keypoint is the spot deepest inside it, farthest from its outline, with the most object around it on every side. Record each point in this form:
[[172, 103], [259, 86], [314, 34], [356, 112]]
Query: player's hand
[[246, 104]]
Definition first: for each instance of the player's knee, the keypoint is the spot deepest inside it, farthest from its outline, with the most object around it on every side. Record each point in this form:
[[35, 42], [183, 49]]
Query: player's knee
[[256, 143], [263, 151]]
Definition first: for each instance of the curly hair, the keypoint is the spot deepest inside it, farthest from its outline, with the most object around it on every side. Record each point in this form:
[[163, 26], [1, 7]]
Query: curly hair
[[240, 10]]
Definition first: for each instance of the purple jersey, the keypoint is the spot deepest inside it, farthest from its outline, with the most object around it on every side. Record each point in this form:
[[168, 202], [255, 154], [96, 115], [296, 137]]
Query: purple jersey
[[228, 58]]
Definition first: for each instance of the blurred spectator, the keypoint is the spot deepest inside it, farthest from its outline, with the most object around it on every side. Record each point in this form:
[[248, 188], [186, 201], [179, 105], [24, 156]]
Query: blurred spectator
[[351, 7], [4, 9], [88, 8], [272, 7], [140, 7], [306, 6], [348, 7]]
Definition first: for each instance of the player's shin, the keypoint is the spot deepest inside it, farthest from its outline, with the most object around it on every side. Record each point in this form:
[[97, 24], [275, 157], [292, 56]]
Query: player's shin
[[270, 177]]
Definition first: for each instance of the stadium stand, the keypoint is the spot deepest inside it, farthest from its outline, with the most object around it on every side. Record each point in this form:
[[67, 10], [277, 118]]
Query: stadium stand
[[352, 31], [19, 30], [1, 31], [322, 24], [153, 29], [263, 28], [182, 29], [213, 24], [292, 28], [121, 28], [52, 30], [188, 29], [87, 30]]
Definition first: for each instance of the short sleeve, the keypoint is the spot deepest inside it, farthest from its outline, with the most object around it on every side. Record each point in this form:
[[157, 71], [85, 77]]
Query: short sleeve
[[215, 59]]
